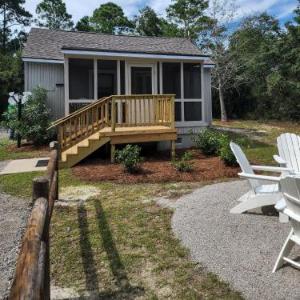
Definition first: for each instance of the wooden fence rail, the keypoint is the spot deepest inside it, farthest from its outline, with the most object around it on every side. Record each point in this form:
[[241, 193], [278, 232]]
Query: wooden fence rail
[[32, 276]]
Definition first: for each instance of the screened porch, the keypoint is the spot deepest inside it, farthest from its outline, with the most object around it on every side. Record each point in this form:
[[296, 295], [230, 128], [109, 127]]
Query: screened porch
[[90, 79]]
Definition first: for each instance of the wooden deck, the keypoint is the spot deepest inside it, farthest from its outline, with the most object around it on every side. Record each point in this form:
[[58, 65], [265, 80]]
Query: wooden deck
[[116, 120]]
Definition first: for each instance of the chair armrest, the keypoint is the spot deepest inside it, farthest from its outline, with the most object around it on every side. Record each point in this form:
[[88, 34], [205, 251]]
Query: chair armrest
[[271, 169], [259, 177], [280, 205], [280, 160]]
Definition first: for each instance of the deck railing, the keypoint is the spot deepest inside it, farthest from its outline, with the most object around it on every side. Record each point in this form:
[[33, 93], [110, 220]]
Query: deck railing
[[115, 111], [32, 276]]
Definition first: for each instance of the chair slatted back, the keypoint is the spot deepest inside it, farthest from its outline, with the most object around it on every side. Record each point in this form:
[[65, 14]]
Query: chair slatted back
[[288, 145], [244, 163], [290, 187]]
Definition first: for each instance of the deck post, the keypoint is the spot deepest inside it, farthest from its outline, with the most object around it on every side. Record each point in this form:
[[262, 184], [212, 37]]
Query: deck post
[[112, 153], [113, 114], [172, 112], [173, 149]]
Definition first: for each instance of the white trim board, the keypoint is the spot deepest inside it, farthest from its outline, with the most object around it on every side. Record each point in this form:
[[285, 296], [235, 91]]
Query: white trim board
[[134, 55], [45, 61]]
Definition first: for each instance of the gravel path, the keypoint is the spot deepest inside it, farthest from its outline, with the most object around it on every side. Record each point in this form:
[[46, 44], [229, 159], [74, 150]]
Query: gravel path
[[241, 249], [13, 217]]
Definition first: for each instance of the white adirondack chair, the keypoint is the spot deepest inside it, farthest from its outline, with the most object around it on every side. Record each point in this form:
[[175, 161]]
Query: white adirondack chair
[[290, 187], [264, 189], [288, 145]]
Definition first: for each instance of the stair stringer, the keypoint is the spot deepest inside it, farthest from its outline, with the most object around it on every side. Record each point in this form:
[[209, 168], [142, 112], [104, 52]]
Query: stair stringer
[[78, 152]]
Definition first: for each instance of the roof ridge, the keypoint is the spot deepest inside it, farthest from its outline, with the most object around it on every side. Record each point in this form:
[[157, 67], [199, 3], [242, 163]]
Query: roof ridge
[[108, 34]]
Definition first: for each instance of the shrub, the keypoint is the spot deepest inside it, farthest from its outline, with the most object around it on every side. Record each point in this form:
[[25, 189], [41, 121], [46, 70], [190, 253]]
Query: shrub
[[184, 164], [35, 118], [225, 152], [130, 158], [208, 141]]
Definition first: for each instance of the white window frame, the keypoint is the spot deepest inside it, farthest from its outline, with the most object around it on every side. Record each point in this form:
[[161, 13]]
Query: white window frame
[[69, 101], [182, 100]]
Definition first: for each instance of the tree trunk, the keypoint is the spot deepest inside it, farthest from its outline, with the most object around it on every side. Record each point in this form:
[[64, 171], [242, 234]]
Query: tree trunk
[[222, 103]]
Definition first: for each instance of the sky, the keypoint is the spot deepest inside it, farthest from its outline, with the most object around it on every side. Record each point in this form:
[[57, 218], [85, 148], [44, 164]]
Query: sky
[[281, 9]]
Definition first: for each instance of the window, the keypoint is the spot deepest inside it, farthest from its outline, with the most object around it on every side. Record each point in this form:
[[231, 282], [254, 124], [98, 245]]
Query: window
[[192, 111], [171, 79], [177, 111], [107, 78], [81, 79], [192, 81]]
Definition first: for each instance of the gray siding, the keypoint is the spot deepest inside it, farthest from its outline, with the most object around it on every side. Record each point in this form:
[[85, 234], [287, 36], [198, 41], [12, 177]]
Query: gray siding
[[47, 76], [207, 96]]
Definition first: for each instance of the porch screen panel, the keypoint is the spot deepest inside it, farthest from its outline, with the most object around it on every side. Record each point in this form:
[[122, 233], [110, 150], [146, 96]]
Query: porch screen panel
[[81, 79], [158, 78], [193, 111], [107, 78], [192, 81], [171, 79], [177, 111], [122, 75]]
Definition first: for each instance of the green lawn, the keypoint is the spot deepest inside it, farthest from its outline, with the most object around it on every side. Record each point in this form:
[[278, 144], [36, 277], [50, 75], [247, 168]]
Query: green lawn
[[120, 244], [260, 143]]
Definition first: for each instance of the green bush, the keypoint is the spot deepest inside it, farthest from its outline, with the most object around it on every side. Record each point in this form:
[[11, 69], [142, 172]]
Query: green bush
[[184, 164], [208, 141], [130, 158], [35, 118], [213, 142], [225, 152]]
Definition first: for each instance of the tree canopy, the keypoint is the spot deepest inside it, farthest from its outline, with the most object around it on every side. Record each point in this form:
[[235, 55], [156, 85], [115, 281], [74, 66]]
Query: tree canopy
[[53, 15], [148, 23], [84, 24], [110, 18], [12, 13], [190, 16]]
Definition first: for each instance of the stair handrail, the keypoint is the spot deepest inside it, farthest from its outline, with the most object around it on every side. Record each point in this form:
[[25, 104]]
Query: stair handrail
[[78, 111]]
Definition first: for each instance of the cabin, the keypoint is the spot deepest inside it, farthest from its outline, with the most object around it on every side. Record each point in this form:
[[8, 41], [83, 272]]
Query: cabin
[[119, 89]]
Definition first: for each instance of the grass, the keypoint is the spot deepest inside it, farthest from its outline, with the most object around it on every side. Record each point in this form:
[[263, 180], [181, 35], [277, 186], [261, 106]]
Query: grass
[[120, 244], [8, 151], [259, 143]]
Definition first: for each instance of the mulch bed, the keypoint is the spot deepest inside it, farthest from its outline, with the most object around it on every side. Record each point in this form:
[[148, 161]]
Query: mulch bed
[[28, 147], [155, 170]]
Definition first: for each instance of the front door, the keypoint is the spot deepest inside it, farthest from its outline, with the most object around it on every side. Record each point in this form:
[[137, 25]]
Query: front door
[[141, 79]]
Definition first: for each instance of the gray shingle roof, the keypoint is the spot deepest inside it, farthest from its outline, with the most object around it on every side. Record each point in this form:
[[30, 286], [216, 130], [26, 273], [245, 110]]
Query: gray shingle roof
[[47, 44]]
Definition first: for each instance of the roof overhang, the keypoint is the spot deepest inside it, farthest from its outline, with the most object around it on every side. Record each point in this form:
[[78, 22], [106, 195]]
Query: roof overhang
[[133, 55]]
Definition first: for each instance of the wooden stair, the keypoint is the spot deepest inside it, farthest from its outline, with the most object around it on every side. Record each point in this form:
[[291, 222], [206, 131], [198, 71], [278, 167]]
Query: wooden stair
[[78, 152], [115, 120]]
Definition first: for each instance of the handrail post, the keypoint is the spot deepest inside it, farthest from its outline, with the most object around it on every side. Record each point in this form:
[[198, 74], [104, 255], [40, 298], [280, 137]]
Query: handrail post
[[172, 110], [113, 114]]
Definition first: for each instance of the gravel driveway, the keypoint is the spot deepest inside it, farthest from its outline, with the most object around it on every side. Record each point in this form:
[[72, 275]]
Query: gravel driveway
[[241, 249], [13, 217]]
